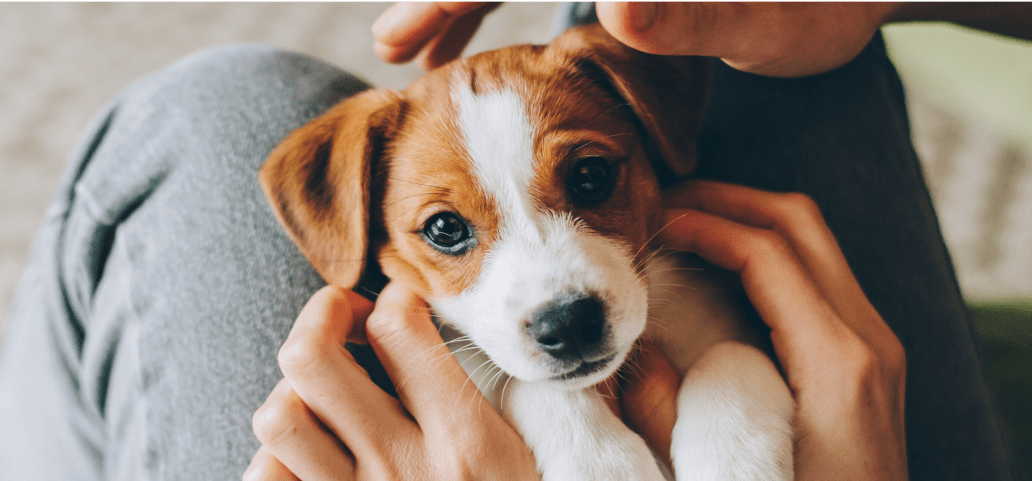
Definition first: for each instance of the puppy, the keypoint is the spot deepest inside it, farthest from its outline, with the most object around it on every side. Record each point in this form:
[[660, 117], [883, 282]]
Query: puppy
[[517, 192]]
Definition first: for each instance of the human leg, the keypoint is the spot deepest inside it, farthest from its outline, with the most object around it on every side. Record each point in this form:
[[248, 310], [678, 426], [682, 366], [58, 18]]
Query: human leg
[[161, 286]]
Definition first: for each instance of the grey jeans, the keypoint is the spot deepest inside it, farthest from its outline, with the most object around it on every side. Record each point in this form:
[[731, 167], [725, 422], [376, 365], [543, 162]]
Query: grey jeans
[[160, 287]]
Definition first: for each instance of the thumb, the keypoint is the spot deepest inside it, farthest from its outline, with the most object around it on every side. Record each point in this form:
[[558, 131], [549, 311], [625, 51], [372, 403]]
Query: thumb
[[430, 382], [673, 28]]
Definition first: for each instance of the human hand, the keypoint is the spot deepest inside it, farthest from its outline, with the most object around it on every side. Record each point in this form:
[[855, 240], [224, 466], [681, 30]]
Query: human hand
[[845, 367], [327, 420], [775, 39], [437, 32], [778, 39]]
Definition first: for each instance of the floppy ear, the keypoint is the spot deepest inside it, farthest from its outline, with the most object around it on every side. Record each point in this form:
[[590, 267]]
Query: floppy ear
[[318, 181], [667, 93]]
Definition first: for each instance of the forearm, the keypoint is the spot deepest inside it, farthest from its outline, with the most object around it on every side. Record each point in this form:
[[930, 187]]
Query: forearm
[[1011, 19]]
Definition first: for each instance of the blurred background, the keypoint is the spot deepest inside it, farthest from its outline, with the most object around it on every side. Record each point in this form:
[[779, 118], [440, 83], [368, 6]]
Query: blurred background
[[970, 99]]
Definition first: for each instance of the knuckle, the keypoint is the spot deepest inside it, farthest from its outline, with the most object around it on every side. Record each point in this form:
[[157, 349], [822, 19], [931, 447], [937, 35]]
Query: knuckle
[[277, 420], [389, 325], [872, 370], [800, 202], [382, 323], [895, 362], [300, 357], [769, 242], [797, 207], [867, 365]]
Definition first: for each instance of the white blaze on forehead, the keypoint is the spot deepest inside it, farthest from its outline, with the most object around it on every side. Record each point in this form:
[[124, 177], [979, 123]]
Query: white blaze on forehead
[[537, 254], [500, 142]]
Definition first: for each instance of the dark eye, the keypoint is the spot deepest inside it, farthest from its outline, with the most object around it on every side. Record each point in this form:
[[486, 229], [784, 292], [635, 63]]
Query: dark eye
[[448, 233], [591, 180]]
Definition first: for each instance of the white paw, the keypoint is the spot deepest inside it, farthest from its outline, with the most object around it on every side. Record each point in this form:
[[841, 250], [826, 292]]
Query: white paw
[[734, 419], [575, 437]]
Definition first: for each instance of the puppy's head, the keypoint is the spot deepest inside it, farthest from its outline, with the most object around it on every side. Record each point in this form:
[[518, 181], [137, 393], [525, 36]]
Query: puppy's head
[[514, 190]]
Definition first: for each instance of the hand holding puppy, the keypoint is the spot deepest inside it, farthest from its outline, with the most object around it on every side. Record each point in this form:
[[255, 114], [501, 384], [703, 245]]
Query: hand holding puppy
[[774, 39], [327, 420], [844, 365], [846, 368]]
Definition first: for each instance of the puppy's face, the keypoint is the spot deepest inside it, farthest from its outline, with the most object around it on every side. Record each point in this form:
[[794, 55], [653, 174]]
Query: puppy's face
[[518, 202], [512, 190]]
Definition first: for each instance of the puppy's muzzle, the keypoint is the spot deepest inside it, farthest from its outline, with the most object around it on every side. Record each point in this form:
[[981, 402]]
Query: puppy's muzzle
[[571, 329]]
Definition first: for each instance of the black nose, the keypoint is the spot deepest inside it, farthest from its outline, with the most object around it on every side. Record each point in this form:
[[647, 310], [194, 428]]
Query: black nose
[[570, 328]]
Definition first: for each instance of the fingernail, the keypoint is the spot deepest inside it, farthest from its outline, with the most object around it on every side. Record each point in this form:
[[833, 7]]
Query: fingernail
[[642, 15]]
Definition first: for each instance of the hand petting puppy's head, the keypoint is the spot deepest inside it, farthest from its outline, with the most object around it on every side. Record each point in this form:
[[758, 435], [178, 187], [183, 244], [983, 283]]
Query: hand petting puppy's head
[[513, 190]]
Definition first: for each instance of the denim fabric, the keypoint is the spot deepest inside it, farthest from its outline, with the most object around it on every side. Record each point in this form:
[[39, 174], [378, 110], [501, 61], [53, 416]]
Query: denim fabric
[[160, 287]]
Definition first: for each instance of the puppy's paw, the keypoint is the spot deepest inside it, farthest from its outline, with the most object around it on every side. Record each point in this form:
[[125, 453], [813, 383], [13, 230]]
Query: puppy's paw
[[735, 419], [575, 437], [610, 460]]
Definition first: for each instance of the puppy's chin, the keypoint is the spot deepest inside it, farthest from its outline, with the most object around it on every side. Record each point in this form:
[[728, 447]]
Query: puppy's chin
[[531, 365], [588, 373]]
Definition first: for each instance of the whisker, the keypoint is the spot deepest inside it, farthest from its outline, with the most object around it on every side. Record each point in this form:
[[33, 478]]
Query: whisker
[[674, 285], [672, 269], [501, 400], [470, 379], [641, 264], [661, 229], [369, 291]]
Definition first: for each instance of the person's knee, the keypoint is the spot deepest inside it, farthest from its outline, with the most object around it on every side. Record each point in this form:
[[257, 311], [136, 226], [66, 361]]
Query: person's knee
[[254, 61], [245, 77]]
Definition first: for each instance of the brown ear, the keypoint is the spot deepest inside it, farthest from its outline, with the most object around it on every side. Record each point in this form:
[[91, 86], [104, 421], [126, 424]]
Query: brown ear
[[666, 93], [318, 181]]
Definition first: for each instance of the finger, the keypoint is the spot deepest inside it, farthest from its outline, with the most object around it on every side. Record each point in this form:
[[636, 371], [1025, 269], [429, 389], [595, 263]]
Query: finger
[[290, 432], [429, 381], [799, 221], [649, 397], [406, 27], [794, 216], [265, 467], [766, 38], [450, 43], [804, 327], [335, 388], [676, 28]]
